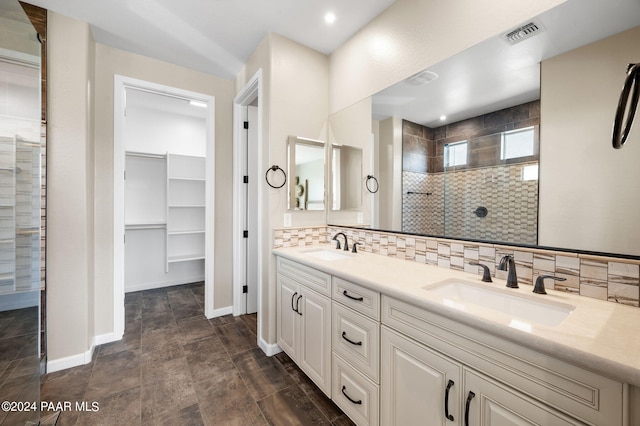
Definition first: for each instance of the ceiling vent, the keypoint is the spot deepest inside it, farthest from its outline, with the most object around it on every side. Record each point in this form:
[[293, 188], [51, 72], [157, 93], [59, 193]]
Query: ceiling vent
[[522, 33], [421, 78]]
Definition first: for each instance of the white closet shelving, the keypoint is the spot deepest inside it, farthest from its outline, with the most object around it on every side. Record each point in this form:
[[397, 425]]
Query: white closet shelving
[[164, 219], [19, 215], [186, 180]]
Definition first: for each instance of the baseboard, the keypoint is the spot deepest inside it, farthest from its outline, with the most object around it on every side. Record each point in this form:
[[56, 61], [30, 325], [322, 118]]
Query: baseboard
[[220, 312], [19, 300], [54, 365], [160, 284], [101, 339], [269, 349]]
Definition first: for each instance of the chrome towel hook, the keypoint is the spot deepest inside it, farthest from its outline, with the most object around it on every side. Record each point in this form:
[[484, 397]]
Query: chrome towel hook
[[621, 128]]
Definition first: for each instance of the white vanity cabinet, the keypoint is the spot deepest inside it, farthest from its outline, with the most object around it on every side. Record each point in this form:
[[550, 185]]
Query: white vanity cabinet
[[356, 351], [417, 383], [304, 320], [504, 383], [385, 361]]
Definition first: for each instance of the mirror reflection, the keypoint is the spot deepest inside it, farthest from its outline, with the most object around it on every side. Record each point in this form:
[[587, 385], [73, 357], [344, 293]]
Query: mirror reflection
[[306, 171], [346, 177], [582, 48], [465, 180], [19, 213]]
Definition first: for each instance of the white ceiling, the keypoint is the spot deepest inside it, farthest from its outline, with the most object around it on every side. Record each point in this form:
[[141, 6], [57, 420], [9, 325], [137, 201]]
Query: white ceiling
[[494, 75], [215, 36]]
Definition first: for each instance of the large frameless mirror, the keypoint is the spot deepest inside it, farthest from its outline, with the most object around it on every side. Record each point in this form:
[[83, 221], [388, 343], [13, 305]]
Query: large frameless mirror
[[559, 74]]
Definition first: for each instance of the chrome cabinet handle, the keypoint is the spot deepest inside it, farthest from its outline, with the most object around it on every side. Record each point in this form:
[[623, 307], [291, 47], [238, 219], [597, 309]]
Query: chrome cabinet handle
[[359, 299], [466, 408], [446, 400], [344, 388], [344, 336]]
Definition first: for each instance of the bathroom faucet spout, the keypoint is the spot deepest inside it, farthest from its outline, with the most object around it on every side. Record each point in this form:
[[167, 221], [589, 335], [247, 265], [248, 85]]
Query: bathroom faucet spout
[[335, 238], [507, 263]]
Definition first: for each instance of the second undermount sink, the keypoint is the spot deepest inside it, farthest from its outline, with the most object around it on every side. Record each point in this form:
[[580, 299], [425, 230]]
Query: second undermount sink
[[327, 254], [524, 310]]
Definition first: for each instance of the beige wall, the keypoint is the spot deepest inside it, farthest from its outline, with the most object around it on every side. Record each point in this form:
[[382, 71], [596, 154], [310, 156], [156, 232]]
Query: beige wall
[[70, 227], [295, 102], [390, 173], [352, 126], [110, 61], [579, 95], [412, 35], [80, 180]]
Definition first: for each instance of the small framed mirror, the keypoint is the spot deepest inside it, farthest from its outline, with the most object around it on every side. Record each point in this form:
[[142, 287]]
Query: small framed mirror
[[306, 159], [346, 177]]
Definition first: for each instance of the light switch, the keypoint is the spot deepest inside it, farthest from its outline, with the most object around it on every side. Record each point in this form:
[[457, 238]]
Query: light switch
[[287, 219]]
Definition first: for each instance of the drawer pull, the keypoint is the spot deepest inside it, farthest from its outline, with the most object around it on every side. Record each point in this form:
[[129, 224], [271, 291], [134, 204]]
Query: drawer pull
[[466, 408], [349, 398], [446, 400], [344, 336], [298, 305], [359, 299], [293, 297]]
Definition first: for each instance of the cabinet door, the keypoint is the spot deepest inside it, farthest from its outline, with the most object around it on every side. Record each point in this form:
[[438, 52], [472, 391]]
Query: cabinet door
[[489, 403], [417, 385], [314, 356], [287, 328]]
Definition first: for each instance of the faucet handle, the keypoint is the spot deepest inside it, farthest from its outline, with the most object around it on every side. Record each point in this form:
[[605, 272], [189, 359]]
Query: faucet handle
[[486, 274], [539, 287], [353, 247], [337, 243]]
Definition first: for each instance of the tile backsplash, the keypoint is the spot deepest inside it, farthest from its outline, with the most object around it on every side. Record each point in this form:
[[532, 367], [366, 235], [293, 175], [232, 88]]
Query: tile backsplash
[[600, 277]]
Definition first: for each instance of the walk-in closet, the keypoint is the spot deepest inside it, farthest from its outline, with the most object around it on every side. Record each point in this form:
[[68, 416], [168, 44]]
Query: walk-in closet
[[164, 190]]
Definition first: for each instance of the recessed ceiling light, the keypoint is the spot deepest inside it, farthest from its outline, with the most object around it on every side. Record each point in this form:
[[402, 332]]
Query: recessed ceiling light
[[198, 104], [443, 117], [330, 18]]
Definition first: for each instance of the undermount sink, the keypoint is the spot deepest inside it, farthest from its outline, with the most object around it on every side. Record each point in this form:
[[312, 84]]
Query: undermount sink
[[327, 254], [524, 310]]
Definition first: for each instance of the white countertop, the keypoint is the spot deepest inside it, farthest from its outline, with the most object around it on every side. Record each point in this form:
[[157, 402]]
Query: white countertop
[[598, 335]]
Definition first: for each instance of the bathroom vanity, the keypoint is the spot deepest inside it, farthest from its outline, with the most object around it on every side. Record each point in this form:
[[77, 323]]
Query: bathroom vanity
[[400, 343]]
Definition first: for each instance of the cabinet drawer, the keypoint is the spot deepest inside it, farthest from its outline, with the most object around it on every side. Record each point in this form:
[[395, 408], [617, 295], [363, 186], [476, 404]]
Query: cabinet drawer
[[309, 277], [357, 339], [581, 393], [356, 395], [358, 298]]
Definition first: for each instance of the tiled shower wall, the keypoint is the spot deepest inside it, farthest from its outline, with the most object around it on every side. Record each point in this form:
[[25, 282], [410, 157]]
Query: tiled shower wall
[[436, 202], [512, 204], [607, 278]]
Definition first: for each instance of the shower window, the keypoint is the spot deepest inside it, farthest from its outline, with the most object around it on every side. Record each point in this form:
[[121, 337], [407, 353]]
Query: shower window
[[455, 154], [517, 143]]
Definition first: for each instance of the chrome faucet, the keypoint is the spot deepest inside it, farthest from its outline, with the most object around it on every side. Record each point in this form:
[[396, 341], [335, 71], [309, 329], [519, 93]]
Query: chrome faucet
[[335, 238], [507, 263], [539, 287]]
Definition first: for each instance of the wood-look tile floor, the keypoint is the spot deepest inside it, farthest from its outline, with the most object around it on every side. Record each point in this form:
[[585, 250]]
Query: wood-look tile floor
[[175, 367]]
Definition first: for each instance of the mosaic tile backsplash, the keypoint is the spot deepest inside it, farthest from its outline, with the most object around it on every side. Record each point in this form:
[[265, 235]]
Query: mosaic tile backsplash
[[606, 278]]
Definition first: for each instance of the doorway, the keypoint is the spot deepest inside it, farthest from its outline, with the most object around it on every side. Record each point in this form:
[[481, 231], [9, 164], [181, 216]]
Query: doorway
[[249, 205], [163, 190]]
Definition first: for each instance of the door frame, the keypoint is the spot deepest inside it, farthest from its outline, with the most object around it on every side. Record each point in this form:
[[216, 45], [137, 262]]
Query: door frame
[[120, 84], [246, 96]]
